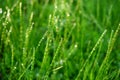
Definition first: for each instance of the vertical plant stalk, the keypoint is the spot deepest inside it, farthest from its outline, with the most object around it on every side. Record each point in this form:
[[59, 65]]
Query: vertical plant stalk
[[12, 62], [12, 57], [21, 26], [94, 48], [4, 30], [27, 35], [7, 40], [54, 58], [45, 57], [33, 59]]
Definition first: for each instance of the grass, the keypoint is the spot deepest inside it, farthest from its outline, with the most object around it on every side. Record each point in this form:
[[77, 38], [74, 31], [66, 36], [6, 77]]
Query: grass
[[60, 40]]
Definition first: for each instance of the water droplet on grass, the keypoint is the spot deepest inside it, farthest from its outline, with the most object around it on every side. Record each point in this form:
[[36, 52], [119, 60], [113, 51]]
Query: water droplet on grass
[[76, 45], [0, 10], [61, 61], [14, 67]]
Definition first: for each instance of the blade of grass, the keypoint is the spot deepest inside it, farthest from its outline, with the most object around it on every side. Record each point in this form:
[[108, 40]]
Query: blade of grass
[[94, 48], [45, 57], [54, 58], [24, 71], [110, 47]]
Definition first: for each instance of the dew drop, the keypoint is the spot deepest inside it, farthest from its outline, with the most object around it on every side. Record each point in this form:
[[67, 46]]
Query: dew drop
[[0, 10], [14, 67], [76, 46]]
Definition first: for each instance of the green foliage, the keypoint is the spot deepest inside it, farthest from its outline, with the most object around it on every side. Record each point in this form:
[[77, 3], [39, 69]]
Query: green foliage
[[60, 40]]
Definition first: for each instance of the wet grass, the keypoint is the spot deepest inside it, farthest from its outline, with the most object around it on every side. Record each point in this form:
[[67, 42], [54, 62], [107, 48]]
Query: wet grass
[[59, 40]]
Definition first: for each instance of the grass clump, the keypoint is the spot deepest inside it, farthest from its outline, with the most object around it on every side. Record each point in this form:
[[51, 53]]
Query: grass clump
[[59, 40]]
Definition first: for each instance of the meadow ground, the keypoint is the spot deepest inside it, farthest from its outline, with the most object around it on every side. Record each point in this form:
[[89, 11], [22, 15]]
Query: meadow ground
[[59, 40]]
